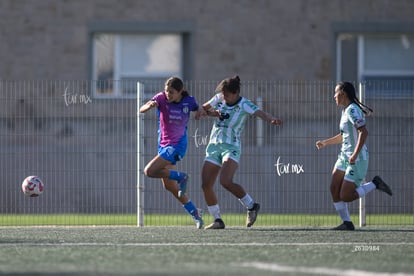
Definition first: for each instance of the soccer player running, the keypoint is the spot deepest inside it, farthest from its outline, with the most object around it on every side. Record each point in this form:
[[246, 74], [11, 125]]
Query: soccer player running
[[224, 148], [174, 106], [351, 167]]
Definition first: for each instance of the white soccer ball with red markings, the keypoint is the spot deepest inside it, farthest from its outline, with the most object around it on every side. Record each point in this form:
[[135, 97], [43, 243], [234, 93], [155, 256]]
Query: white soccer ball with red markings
[[32, 186]]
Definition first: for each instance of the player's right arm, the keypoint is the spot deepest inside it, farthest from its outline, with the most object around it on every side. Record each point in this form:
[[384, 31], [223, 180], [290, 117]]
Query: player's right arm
[[210, 111], [147, 106], [208, 106], [337, 139]]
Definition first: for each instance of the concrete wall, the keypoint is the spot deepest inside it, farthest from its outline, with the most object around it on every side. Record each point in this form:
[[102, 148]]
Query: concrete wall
[[259, 40]]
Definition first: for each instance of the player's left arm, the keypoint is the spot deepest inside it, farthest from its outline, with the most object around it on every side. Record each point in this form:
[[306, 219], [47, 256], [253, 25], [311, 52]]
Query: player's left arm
[[362, 137], [267, 117]]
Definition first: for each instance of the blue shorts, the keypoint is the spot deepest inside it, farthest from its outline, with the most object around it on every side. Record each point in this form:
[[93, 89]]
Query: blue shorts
[[173, 153], [217, 153], [353, 172]]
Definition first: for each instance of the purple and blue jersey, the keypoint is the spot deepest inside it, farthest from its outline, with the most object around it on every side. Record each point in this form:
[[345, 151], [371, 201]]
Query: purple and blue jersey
[[173, 119]]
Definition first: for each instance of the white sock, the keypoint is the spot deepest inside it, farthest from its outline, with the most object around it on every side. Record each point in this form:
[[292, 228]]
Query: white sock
[[247, 201], [342, 209], [366, 188], [214, 211]]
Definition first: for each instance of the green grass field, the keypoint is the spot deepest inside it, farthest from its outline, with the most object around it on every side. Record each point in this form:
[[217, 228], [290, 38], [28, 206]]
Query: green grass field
[[184, 250], [300, 220], [298, 244]]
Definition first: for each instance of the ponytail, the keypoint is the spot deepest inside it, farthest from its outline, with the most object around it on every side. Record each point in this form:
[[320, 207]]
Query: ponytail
[[185, 93], [349, 89], [231, 85], [366, 109]]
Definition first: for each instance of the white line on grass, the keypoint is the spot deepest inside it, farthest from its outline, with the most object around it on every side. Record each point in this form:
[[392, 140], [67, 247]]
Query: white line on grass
[[200, 244], [315, 270]]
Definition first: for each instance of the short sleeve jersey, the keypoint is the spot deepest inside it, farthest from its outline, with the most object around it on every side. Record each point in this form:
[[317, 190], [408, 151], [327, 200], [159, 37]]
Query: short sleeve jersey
[[227, 128], [173, 118], [352, 118]]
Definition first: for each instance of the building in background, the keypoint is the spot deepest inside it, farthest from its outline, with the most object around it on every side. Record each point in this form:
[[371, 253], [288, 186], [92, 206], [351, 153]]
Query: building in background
[[205, 40]]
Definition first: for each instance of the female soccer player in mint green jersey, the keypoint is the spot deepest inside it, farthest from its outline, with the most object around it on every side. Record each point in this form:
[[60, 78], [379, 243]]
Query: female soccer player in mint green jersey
[[351, 166], [224, 148]]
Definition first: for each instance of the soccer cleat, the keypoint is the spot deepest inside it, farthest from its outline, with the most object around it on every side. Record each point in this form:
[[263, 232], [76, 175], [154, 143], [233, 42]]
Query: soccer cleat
[[346, 226], [252, 214], [182, 185], [381, 185], [198, 219], [217, 224]]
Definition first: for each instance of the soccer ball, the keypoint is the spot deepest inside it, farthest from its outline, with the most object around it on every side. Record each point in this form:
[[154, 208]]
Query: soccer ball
[[32, 186]]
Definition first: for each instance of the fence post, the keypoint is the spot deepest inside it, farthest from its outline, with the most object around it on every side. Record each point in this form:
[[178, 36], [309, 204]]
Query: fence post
[[259, 130], [140, 137], [362, 215]]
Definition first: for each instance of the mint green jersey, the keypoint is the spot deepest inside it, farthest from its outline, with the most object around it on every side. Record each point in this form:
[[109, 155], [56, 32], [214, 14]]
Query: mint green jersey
[[352, 118], [228, 127]]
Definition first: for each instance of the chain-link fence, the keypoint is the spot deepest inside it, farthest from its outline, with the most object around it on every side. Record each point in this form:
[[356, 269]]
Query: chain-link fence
[[83, 145]]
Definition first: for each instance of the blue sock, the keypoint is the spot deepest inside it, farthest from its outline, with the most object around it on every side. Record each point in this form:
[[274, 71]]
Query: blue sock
[[175, 175], [190, 208]]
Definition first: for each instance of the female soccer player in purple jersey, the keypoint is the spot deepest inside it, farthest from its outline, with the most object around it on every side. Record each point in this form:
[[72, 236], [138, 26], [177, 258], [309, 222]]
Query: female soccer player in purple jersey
[[174, 106], [351, 167]]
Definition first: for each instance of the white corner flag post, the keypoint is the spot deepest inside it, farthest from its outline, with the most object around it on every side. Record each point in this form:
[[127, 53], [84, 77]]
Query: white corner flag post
[[140, 139], [362, 221]]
